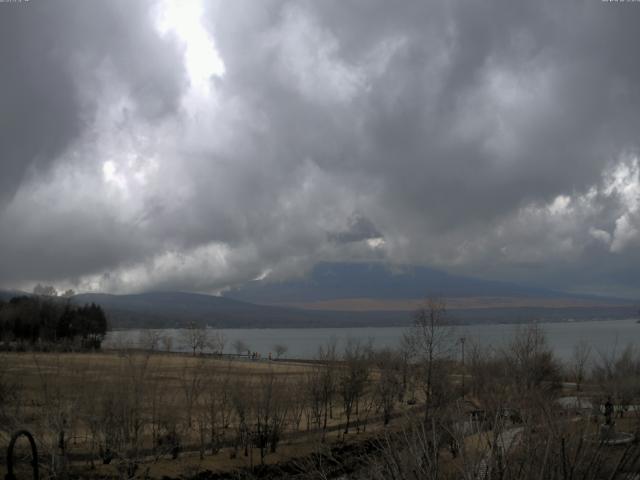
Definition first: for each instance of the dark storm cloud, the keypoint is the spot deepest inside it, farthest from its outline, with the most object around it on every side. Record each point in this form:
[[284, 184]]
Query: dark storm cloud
[[359, 228], [45, 48], [496, 138]]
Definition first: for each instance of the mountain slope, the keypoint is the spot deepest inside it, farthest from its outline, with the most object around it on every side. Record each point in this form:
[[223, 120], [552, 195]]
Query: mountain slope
[[342, 281], [176, 309]]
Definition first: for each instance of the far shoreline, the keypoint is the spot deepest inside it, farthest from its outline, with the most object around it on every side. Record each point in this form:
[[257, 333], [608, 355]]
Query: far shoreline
[[395, 325]]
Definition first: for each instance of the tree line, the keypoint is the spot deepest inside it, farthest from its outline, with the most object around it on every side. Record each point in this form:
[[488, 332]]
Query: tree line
[[29, 321]]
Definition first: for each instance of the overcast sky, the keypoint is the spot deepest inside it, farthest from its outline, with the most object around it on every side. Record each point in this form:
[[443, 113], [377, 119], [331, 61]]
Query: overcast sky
[[192, 146]]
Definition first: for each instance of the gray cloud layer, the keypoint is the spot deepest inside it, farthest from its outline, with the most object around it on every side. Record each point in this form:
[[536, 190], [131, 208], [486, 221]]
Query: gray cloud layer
[[499, 139]]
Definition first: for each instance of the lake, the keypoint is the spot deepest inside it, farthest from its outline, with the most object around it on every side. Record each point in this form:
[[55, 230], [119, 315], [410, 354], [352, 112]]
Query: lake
[[604, 336]]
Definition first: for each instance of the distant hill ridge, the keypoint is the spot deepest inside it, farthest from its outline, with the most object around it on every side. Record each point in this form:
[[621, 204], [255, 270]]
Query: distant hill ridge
[[348, 295]]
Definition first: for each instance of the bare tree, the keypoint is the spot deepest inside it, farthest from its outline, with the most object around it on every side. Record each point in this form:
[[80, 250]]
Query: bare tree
[[195, 338], [404, 355], [59, 409], [490, 377], [388, 382], [242, 406], [192, 382], [270, 406], [280, 349], [119, 416], [579, 363], [315, 393], [149, 340], [299, 401], [431, 341], [130, 401], [218, 406], [216, 341], [618, 375], [353, 377], [240, 346], [327, 380], [167, 342], [532, 361]]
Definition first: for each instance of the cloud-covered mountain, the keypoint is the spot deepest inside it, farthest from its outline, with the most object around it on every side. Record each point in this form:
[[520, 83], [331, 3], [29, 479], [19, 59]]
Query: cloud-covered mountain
[[343, 281]]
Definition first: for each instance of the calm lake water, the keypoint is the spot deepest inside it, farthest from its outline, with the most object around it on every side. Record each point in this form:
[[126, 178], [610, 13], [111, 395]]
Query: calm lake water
[[603, 336]]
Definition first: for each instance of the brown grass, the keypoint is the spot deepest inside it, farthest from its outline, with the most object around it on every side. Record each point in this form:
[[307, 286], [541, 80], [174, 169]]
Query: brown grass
[[43, 381]]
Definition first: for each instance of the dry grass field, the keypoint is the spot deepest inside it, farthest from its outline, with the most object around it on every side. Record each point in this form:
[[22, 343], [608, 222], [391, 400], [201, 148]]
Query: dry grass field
[[100, 413]]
